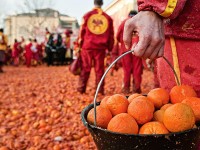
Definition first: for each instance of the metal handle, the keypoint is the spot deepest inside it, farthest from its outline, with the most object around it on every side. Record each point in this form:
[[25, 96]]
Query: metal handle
[[118, 58], [98, 87]]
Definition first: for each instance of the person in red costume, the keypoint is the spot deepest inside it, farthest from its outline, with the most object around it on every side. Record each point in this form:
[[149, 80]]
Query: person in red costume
[[28, 53], [96, 36], [3, 47], [131, 64], [16, 52], [113, 56], [68, 34], [169, 28]]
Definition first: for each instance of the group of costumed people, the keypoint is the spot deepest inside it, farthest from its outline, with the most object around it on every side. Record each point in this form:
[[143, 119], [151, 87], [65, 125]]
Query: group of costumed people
[[169, 28], [21, 52], [29, 52]]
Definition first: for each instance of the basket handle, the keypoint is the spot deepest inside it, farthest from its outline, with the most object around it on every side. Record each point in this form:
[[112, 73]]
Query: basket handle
[[102, 78], [109, 67]]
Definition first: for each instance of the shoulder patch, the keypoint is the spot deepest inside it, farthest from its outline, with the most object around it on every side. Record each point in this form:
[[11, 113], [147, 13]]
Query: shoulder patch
[[97, 24]]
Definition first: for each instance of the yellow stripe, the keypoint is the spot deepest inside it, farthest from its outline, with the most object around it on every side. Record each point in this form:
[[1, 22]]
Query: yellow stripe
[[175, 58], [171, 5]]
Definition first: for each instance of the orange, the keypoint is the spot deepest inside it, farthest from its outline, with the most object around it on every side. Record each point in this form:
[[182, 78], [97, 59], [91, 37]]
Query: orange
[[3, 148], [104, 101], [117, 104], [180, 92], [158, 115], [133, 96], [123, 123], [164, 107], [103, 116], [153, 127], [141, 109], [194, 103], [179, 117], [159, 97]]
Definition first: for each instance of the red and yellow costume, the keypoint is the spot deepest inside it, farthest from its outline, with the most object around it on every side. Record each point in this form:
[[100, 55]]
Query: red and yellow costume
[[182, 46], [96, 35], [3, 48], [131, 64], [16, 52], [68, 38], [28, 54]]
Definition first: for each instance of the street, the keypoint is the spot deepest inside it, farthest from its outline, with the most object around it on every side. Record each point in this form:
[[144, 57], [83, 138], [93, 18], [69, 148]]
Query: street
[[40, 107]]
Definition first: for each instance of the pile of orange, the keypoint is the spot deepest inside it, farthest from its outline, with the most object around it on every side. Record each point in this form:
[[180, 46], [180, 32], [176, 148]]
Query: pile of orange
[[159, 112]]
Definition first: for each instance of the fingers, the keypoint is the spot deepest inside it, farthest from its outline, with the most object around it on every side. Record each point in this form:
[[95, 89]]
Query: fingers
[[150, 47], [161, 51], [128, 32], [142, 45], [151, 35]]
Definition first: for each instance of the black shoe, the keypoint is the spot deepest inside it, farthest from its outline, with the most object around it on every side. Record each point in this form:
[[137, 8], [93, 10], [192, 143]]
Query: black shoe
[[138, 90]]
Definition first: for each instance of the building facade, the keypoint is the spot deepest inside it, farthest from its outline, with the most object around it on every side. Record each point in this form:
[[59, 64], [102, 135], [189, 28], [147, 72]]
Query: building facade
[[119, 10], [32, 25]]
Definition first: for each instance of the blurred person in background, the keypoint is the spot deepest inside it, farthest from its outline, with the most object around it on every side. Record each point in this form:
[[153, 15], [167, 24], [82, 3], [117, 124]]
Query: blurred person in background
[[69, 50], [28, 52], [96, 36], [35, 54], [16, 52], [40, 53], [3, 48], [8, 54], [132, 65], [114, 55], [22, 51]]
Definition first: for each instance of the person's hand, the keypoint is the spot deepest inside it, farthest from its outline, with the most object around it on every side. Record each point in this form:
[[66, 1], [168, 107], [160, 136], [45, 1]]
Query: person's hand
[[149, 27], [77, 52]]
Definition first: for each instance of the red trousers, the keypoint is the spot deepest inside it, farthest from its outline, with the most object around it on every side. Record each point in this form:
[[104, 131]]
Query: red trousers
[[188, 56], [132, 65], [28, 59], [90, 57]]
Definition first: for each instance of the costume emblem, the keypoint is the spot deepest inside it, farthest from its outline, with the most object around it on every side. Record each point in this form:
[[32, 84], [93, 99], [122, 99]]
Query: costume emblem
[[97, 24]]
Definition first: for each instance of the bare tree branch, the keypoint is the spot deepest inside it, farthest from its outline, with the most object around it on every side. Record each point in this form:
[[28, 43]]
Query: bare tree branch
[[32, 7]]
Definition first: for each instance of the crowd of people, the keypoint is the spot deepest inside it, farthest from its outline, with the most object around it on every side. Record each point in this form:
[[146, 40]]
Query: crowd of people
[[25, 52], [29, 51]]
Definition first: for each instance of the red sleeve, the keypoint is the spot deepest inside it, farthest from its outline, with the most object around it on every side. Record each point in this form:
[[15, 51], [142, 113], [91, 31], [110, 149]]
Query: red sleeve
[[120, 32], [111, 38], [82, 31], [165, 8], [115, 50]]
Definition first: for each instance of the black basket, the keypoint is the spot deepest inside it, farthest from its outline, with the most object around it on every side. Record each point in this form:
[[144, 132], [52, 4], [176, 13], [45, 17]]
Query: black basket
[[108, 140]]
